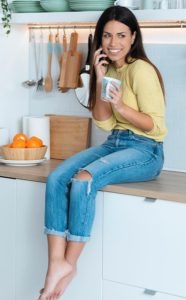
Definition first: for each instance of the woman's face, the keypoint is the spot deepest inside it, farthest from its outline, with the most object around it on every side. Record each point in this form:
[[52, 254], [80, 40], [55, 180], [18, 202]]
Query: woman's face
[[116, 41]]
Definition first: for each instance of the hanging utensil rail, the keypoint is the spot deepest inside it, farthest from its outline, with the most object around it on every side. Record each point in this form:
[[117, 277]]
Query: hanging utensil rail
[[143, 24], [62, 26]]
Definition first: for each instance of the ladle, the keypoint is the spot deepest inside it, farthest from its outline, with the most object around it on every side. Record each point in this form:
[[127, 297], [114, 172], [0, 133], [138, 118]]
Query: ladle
[[30, 83]]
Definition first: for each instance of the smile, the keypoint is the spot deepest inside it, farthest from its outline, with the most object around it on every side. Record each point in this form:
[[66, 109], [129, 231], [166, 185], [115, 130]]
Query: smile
[[114, 51]]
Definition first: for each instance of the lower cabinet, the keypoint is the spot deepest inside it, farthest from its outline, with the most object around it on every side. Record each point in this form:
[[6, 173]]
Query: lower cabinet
[[30, 246], [137, 250], [31, 249], [7, 246], [144, 243], [118, 291], [23, 251]]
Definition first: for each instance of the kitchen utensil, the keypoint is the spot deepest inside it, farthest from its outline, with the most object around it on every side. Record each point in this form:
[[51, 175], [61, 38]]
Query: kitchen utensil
[[39, 62], [32, 82], [71, 63], [58, 51], [86, 68], [29, 83], [82, 92], [48, 79], [68, 135]]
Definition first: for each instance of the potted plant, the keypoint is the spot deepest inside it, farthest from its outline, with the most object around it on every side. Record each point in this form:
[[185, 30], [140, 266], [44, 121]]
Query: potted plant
[[6, 15]]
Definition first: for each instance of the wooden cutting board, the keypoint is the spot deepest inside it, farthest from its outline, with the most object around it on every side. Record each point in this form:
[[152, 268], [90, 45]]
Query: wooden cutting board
[[71, 64], [68, 135]]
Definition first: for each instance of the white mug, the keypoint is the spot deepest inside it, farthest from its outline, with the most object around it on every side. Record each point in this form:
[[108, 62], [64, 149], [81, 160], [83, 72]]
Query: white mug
[[106, 84]]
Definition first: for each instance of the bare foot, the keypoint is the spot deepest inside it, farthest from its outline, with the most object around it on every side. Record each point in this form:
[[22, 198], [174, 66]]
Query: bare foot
[[56, 272], [63, 283]]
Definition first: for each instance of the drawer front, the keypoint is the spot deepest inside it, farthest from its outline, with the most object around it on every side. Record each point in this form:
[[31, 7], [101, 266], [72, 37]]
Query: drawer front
[[118, 291], [144, 243]]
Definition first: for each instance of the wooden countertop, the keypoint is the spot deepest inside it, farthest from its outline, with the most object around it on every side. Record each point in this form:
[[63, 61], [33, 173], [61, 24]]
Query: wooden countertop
[[169, 185]]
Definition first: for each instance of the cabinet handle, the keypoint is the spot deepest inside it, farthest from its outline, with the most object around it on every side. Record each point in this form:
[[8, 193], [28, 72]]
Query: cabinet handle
[[149, 199], [149, 292]]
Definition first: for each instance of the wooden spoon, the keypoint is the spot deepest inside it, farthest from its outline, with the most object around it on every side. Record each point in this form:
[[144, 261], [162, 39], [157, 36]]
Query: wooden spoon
[[48, 79], [63, 89]]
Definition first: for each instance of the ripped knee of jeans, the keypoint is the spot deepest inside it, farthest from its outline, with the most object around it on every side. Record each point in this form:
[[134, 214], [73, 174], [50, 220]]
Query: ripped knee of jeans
[[84, 175]]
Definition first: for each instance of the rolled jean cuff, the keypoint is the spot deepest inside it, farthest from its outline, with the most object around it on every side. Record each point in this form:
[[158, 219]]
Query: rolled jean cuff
[[77, 238], [55, 232]]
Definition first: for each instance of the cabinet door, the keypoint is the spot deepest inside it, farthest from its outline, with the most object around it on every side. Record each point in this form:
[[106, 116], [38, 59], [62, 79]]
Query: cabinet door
[[31, 248], [88, 283], [7, 225], [145, 242], [112, 290]]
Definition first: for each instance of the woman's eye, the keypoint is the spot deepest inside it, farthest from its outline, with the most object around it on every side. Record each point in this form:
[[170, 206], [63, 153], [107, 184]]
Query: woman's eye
[[121, 35], [106, 35]]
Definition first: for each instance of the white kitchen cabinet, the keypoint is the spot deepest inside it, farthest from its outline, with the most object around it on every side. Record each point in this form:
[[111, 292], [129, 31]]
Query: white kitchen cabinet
[[144, 243], [112, 290], [7, 225], [88, 283], [30, 246]]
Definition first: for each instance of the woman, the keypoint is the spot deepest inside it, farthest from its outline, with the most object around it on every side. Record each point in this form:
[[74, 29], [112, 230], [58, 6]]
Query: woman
[[133, 151]]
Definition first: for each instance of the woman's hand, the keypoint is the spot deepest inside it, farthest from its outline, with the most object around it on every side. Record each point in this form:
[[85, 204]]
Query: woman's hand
[[100, 64], [116, 95]]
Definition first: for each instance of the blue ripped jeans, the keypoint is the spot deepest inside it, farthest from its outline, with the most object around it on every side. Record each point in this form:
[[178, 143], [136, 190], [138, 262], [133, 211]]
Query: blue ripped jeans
[[70, 202]]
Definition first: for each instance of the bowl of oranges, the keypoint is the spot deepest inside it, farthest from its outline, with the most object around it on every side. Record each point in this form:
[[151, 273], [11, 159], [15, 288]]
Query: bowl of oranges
[[24, 148]]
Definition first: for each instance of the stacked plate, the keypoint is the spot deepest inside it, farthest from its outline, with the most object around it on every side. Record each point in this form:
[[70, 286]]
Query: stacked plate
[[55, 5], [90, 5], [28, 6]]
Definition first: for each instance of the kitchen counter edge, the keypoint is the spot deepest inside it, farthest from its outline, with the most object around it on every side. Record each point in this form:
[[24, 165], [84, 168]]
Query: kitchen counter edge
[[170, 185]]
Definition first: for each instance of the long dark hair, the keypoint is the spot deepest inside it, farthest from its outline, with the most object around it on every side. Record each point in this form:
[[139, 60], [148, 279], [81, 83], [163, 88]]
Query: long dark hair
[[125, 16]]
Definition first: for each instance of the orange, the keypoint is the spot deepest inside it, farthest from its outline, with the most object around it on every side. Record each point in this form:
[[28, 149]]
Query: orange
[[20, 136], [34, 142], [8, 146], [18, 144]]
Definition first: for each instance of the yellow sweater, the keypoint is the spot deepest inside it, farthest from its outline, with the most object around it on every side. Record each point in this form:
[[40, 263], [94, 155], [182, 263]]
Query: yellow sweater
[[141, 91]]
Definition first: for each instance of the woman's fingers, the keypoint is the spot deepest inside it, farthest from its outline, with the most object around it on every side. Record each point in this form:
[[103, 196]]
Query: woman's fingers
[[99, 57], [116, 95]]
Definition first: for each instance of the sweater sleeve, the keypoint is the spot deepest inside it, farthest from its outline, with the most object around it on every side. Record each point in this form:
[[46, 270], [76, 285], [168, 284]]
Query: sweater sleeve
[[148, 91], [106, 125]]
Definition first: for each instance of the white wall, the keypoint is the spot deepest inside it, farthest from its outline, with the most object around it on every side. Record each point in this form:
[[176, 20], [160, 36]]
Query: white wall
[[14, 100]]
